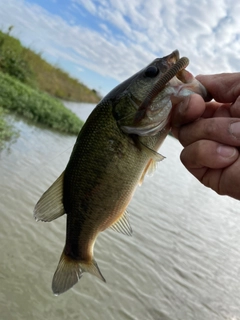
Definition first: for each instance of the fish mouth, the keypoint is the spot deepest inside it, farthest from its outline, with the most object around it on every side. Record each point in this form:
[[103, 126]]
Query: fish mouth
[[175, 65], [173, 58], [152, 115]]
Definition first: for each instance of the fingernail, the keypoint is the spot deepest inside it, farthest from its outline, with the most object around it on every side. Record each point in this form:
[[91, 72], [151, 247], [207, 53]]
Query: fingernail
[[226, 151], [234, 129], [183, 106]]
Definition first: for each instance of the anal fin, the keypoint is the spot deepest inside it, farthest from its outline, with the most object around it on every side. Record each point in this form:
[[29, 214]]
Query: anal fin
[[122, 225]]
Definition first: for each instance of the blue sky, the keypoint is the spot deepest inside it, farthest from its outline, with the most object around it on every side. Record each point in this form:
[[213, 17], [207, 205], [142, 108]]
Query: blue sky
[[103, 42]]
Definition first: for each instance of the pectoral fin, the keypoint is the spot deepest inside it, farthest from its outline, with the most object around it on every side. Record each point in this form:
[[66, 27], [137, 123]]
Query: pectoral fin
[[122, 225], [50, 205], [152, 164], [152, 153]]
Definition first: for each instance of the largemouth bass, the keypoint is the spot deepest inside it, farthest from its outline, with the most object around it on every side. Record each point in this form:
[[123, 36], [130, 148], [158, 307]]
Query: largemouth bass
[[114, 150]]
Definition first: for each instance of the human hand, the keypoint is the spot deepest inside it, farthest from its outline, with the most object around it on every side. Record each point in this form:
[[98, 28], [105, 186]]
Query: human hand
[[210, 133]]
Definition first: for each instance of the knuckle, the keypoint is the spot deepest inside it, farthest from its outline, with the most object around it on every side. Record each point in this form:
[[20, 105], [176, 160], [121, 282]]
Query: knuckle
[[235, 108]]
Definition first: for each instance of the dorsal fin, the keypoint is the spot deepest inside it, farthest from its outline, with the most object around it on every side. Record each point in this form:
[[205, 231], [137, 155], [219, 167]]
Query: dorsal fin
[[122, 225]]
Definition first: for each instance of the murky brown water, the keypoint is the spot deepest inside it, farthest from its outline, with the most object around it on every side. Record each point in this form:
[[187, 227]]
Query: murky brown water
[[182, 263]]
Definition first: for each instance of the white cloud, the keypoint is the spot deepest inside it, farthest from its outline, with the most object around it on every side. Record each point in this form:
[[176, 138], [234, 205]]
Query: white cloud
[[205, 31]]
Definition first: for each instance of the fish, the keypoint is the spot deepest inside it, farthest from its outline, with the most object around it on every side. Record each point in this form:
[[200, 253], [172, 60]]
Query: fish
[[117, 145]]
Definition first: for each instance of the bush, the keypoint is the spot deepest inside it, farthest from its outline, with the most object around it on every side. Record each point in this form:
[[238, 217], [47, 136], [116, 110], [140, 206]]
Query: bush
[[11, 60], [37, 106]]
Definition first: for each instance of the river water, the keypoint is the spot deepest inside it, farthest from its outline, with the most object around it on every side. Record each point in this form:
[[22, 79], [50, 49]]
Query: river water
[[182, 262]]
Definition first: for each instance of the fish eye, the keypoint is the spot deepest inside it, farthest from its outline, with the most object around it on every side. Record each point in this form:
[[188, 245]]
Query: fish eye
[[151, 71]]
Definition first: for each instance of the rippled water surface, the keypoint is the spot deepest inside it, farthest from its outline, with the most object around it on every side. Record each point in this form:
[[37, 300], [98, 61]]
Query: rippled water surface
[[182, 262]]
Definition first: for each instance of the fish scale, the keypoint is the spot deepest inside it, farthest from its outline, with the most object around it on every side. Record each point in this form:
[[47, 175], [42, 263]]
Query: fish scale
[[111, 156]]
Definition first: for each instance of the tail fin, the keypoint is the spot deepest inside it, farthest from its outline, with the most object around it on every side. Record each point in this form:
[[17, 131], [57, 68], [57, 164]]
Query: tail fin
[[69, 271]]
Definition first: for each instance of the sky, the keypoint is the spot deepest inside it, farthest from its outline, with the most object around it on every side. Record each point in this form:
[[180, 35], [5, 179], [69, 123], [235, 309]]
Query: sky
[[103, 42]]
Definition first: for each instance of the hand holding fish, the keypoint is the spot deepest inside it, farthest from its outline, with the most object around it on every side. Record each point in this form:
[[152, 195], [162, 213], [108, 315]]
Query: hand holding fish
[[210, 133]]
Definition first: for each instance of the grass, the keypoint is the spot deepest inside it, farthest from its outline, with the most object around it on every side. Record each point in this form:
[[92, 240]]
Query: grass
[[30, 68], [37, 106], [32, 87], [57, 82], [7, 131]]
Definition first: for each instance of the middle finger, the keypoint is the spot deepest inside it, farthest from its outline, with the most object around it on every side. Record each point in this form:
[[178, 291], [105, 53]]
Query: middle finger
[[222, 130]]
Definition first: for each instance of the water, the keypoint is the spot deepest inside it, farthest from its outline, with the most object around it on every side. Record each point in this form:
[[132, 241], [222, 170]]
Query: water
[[182, 263]]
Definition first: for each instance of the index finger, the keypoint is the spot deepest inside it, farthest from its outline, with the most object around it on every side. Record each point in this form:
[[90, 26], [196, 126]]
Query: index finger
[[224, 87]]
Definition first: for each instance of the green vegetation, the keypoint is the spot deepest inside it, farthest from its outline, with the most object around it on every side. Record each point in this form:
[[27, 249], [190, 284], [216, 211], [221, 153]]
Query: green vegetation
[[30, 86], [7, 131], [30, 68], [56, 82], [37, 106]]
